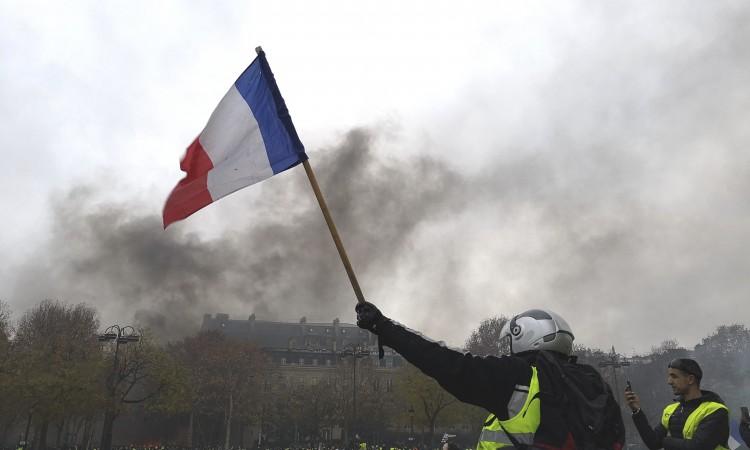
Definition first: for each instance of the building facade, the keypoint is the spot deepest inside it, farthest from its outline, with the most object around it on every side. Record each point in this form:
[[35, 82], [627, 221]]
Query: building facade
[[301, 345], [304, 354]]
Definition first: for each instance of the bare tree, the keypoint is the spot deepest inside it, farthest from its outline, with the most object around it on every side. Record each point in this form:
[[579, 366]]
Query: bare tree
[[5, 335], [426, 395], [139, 371], [223, 378], [486, 339]]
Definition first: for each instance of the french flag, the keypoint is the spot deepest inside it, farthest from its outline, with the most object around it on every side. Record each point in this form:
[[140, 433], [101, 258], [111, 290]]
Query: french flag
[[248, 138]]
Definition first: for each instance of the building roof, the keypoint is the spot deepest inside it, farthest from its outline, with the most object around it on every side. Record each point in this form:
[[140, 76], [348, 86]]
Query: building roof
[[330, 336]]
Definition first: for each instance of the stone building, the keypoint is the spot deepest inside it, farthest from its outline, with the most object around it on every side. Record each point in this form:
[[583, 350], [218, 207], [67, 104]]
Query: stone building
[[304, 353], [302, 345]]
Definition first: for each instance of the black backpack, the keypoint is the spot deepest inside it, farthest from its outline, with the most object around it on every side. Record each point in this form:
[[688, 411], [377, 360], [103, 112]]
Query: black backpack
[[582, 395]]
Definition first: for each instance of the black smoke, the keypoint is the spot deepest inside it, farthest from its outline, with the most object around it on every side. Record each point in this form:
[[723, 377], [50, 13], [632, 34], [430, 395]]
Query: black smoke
[[616, 193]]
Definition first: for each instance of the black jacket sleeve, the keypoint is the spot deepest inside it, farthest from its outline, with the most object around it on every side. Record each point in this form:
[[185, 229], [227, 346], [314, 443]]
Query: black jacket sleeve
[[712, 431], [653, 438], [483, 381], [745, 432]]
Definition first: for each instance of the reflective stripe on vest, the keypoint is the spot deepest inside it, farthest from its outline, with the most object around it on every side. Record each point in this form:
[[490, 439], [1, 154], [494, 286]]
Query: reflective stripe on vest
[[693, 420], [522, 426]]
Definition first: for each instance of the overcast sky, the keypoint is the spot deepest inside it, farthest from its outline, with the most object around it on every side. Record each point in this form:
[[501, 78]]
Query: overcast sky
[[480, 159]]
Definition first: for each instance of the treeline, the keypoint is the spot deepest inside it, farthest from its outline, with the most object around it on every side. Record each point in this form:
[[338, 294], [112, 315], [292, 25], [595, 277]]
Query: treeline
[[60, 386]]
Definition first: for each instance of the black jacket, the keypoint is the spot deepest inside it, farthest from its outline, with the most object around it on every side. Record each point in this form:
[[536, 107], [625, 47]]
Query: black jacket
[[745, 432], [712, 431], [489, 382]]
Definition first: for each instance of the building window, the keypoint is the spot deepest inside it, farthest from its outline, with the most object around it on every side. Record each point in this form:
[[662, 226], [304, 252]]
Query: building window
[[283, 361], [315, 361], [328, 362], [301, 361], [388, 385]]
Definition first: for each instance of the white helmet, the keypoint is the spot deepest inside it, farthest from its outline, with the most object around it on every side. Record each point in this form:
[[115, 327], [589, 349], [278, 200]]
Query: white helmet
[[538, 329]]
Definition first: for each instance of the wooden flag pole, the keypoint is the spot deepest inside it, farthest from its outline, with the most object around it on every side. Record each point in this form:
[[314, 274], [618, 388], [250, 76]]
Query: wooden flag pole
[[323, 206], [334, 233]]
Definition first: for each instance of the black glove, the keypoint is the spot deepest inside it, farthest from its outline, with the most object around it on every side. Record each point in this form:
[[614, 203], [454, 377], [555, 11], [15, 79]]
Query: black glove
[[369, 317]]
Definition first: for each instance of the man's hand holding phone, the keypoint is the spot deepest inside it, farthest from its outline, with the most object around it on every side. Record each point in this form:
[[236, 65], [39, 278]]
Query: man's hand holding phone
[[631, 398]]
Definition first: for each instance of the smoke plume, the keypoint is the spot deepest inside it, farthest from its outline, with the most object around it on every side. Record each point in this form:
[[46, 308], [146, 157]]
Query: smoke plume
[[615, 194]]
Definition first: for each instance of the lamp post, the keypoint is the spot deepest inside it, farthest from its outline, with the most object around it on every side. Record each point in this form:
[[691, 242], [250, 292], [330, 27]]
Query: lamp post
[[615, 363], [120, 335], [356, 352], [411, 423]]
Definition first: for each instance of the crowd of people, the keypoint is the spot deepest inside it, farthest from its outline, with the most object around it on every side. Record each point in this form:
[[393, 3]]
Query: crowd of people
[[353, 446]]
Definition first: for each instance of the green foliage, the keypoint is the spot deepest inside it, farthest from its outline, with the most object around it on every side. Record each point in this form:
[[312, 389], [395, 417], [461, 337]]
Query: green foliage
[[56, 360], [429, 400], [52, 365]]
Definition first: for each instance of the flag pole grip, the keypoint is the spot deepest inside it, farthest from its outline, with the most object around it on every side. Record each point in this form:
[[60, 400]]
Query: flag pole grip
[[334, 232]]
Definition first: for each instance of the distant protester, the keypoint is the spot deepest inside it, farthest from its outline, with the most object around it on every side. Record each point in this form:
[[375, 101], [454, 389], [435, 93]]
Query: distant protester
[[697, 420]]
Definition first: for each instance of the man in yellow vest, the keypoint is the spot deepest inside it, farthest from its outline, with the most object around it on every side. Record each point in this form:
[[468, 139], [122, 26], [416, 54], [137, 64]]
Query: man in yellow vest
[[698, 420], [522, 391]]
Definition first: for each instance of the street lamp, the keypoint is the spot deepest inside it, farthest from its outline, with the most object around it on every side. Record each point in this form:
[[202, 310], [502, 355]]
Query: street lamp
[[356, 353], [120, 335], [615, 363], [411, 423]]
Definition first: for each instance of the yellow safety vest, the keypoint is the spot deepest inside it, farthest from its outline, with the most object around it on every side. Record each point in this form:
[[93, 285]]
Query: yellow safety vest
[[693, 420], [522, 425]]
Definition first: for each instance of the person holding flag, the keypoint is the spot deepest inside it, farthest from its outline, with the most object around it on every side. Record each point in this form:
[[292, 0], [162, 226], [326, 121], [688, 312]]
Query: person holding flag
[[538, 396]]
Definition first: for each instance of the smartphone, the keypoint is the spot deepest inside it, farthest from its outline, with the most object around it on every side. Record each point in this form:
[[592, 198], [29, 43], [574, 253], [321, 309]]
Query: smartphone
[[745, 414], [628, 386]]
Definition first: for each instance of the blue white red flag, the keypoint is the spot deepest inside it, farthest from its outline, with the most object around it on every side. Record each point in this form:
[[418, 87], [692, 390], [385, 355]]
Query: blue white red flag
[[248, 138]]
